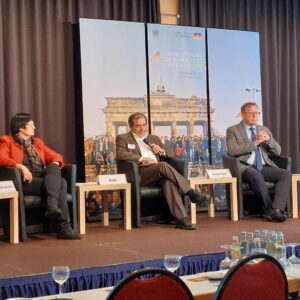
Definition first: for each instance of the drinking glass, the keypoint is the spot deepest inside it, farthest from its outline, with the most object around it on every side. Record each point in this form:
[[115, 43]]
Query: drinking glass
[[225, 264], [60, 275], [293, 259], [172, 262]]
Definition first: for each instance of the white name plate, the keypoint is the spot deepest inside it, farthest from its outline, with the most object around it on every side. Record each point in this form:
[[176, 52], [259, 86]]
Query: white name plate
[[7, 187], [218, 173], [111, 179]]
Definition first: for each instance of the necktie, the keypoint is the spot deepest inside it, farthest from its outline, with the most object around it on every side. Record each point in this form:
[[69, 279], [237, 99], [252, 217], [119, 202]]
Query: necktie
[[258, 159]]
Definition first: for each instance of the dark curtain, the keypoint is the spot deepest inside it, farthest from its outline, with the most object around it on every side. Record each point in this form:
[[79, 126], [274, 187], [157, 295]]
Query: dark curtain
[[278, 22], [37, 61]]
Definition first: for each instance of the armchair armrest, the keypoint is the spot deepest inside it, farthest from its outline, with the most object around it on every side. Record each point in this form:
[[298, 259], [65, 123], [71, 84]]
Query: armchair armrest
[[234, 166], [68, 172], [179, 164], [131, 170], [283, 162], [10, 173]]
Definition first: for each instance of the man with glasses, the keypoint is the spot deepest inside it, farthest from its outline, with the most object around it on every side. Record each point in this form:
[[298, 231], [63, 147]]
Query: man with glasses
[[146, 149], [252, 144], [40, 170]]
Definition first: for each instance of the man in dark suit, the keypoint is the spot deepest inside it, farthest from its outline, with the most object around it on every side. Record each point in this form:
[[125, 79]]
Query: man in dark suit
[[252, 144], [145, 149]]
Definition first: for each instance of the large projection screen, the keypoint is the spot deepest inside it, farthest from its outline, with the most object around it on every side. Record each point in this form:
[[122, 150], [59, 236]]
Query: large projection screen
[[178, 97], [234, 78], [114, 85], [189, 112]]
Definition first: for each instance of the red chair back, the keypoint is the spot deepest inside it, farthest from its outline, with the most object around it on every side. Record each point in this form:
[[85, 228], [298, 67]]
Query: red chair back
[[164, 285], [262, 280]]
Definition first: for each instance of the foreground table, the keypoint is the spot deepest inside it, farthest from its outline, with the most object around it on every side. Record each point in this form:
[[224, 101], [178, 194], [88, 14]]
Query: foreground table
[[200, 286], [13, 214], [83, 188], [211, 206]]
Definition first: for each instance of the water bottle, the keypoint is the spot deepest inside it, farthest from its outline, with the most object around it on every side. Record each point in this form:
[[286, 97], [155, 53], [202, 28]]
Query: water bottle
[[257, 234], [271, 242], [279, 250], [235, 249], [243, 243], [256, 246], [264, 238], [249, 245]]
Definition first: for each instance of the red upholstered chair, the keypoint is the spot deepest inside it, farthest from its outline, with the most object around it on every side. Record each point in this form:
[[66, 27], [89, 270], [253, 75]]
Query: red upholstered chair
[[263, 279], [159, 284]]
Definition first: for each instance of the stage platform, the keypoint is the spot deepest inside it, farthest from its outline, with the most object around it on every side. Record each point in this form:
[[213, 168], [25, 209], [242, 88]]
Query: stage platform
[[106, 254], [113, 245]]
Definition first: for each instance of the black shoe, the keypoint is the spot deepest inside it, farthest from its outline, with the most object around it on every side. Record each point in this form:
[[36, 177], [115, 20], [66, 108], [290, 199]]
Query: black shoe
[[197, 197], [66, 233], [276, 215], [184, 224], [54, 213]]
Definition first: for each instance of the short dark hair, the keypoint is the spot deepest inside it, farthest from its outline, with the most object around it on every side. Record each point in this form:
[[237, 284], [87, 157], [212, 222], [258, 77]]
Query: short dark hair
[[245, 105], [136, 116], [19, 121]]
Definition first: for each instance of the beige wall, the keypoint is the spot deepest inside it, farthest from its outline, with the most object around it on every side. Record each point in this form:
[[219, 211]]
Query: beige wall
[[169, 11]]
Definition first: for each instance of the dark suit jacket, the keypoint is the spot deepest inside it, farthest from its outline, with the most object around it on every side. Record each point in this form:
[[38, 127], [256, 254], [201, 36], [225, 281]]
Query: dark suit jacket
[[238, 144], [128, 149]]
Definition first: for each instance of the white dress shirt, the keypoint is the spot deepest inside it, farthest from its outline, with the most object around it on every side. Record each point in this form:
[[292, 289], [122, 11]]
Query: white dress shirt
[[146, 150]]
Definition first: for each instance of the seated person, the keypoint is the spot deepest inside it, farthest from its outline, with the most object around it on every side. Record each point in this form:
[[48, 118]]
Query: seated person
[[145, 149], [40, 170], [252, 144]]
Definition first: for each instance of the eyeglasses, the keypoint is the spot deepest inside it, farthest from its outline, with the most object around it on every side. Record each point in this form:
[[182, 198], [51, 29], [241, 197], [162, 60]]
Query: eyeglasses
[[255, 113]]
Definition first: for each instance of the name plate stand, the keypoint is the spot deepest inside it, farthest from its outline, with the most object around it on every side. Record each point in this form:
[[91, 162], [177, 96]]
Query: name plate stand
[[83, 188], [295, 180], [13, 214], [109, 179], [218, 173], [7, 187], [211, 206]]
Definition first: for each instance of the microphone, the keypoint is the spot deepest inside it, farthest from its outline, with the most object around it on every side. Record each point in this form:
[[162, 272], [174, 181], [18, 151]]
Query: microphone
[[146, 141]]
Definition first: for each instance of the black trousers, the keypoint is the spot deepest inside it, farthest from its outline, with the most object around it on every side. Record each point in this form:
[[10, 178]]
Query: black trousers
[[173, 185], [282, 180], [51, 186]]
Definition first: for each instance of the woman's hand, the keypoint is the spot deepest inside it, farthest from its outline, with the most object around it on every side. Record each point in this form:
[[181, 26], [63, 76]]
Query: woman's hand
[[27, 175]]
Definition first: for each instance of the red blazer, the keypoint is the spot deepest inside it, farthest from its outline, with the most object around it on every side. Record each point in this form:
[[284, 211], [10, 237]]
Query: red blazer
[[11, 153]]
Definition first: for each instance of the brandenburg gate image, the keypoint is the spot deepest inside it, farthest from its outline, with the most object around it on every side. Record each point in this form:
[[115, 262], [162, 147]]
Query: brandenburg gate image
[[166, 110]]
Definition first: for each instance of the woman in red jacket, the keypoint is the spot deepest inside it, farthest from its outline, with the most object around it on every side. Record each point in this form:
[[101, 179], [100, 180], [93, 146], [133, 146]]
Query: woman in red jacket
[[40, 169]]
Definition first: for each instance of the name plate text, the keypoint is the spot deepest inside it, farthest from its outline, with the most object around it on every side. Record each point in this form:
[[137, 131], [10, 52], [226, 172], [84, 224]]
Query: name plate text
[[111, 179], [7, 187], [218, 173]]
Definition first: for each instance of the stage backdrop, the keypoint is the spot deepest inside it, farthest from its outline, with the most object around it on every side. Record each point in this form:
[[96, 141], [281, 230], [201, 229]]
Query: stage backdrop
[[192, 97], [113, 86], [234, 78], [178, 95]]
